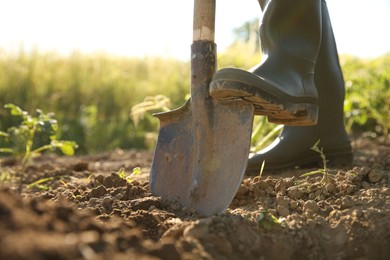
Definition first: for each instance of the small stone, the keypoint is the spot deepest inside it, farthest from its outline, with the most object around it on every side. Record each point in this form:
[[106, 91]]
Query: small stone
[[93, 202], [331, 188], [362, 171], [280, 187], [283, 211], [99, 178], [98, 192], [119, 196], [294, 193], [195, 230], [311, 205], [293, 205], [282, 201], [263, 185], [357, 213], [351, 189], [80, 166], [107, 202], [375, 175], [256, 179], [347, 201]]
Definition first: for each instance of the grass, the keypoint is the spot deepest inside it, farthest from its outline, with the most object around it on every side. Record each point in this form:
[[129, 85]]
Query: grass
[[93, 95]]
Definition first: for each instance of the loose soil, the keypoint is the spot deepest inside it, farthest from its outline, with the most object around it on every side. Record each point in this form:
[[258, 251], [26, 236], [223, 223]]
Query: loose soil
[[89, 212]]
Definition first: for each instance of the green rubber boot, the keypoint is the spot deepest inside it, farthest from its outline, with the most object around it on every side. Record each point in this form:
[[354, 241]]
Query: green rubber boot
[[282, 87], [292, 147]]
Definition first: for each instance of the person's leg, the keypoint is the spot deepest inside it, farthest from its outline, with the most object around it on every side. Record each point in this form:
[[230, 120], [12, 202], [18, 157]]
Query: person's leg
[[282, 86], [292, 147]]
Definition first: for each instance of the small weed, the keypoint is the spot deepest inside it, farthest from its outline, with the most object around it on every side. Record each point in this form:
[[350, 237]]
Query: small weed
[[28, 138], [307, 186], [32, 136], [324, 171], [40, 184], [268, 220], [261, 169], [123, 175]]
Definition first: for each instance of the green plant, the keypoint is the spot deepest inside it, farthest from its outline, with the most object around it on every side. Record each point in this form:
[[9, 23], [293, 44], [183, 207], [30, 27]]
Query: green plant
[[305, 185], [129, 178], [33, 135], [367, 104], [324, 171], [268, 220], [262, 169]]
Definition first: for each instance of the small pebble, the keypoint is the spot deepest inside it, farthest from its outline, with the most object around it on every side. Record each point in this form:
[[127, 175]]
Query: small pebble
[[107, 202], [311, 205], [293, 205], [283, 211], [98, 192], [331, 188], [375, 175], [294, 193], [92, 202]]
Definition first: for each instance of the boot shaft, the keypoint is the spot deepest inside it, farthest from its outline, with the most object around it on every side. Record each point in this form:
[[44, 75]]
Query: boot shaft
[[293, 27], [284, 18], [328, 75]]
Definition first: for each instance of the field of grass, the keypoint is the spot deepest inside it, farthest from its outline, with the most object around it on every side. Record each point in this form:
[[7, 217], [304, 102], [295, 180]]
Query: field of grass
[[92, 95]]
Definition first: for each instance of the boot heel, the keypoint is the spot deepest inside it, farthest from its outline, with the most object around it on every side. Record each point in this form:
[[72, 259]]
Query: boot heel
[[296, 115]]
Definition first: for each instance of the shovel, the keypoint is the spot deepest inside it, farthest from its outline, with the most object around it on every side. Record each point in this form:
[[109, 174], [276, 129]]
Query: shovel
[[203, 146]]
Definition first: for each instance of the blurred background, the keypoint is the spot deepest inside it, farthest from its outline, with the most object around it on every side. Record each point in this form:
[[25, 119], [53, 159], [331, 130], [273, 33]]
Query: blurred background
[[104, 66]]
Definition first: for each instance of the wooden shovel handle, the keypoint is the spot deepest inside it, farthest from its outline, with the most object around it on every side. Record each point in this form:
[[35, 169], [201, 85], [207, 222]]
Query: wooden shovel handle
[[204, 20]]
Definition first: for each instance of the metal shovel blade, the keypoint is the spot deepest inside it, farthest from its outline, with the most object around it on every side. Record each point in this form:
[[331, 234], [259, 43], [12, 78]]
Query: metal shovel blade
[[200, 162], [202, 147]]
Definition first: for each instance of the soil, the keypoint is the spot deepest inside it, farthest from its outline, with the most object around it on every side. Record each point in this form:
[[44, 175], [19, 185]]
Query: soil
[[82, 209]]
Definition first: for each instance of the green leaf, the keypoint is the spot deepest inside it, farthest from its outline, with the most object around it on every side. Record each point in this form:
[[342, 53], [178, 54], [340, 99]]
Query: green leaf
[[136, 171], [4, 134], [6, 150], [262, 169], [68, 147], [315, 147], [15, 110], [122, 173], [319, 171], [38, 184]]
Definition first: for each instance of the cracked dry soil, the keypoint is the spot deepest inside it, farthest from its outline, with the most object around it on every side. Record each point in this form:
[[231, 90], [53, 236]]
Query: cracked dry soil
[[91, 213]]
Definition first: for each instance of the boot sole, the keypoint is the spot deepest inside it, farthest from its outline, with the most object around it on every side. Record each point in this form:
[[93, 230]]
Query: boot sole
[[279, 107], [336, 160]]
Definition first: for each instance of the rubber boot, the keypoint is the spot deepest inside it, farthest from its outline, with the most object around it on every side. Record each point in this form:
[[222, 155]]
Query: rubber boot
[[292, 147], [282, 86]]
